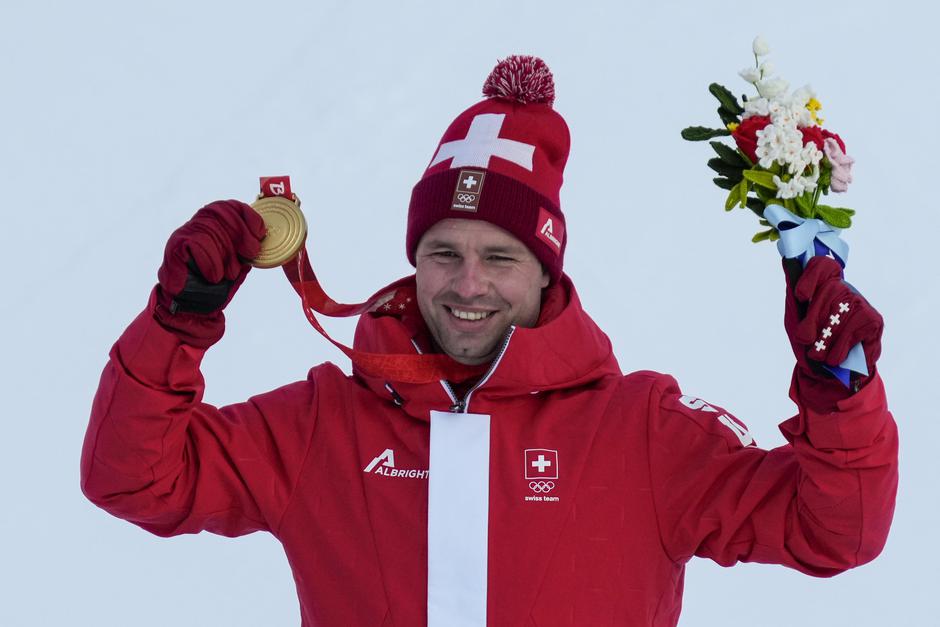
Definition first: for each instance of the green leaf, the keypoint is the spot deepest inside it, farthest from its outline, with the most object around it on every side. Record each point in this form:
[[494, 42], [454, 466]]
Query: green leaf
[[743, 188], [765, 195], [762, 236], [775, 235], [804, 204], [722, 168], [727, 117], [726, 98], [834, 216], [701, 133], [732, 199], [729, 155], [761, 178], [845, 210], [757, 206], [825, 177], [724, 183]]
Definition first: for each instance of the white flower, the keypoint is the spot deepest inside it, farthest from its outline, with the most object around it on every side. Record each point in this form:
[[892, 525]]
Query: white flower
[[804, 117], [779, 143], [750, 74], [793, 160], [780, 115], [783, 121], [809, 182], [794, 152], [801, 96], [767, 68], [811, 154], [789, 189], [772, 87], [756, 106], [760, 46], [797, 185], [771, 144]]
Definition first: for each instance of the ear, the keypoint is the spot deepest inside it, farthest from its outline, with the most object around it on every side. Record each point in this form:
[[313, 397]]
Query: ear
[[546, 279]]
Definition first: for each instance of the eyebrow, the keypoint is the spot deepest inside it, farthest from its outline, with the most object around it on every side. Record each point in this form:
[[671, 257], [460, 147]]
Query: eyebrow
[[509, 249], [513, 249], [436, 243]]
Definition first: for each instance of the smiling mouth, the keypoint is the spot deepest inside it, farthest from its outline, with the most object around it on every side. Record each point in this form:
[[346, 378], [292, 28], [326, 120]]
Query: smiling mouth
[[468, 315]]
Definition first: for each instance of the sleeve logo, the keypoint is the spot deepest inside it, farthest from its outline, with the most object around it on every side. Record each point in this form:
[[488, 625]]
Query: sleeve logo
[[739, 430]]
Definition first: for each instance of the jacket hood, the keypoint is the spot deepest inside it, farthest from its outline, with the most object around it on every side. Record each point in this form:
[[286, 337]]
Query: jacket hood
[[566, 349]]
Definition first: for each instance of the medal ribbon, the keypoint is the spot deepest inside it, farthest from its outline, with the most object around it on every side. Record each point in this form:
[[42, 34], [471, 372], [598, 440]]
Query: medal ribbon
[[406, 367]]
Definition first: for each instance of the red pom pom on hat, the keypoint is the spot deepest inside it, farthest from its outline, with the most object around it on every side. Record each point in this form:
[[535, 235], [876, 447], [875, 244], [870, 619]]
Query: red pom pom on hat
[[522, 78]]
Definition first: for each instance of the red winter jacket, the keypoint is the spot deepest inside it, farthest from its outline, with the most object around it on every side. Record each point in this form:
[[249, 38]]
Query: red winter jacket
[[557, 492]]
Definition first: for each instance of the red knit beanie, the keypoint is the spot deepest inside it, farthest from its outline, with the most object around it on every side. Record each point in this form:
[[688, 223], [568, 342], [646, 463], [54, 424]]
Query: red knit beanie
[[501, 161]]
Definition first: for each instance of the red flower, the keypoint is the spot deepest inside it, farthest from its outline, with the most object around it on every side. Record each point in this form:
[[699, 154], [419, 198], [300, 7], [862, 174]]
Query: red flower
[[818, 136], [813, 134], [746, 135]]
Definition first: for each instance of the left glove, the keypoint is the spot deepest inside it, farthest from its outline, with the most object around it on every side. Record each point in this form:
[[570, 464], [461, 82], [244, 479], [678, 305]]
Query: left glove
[[204, 263], [824, 318]]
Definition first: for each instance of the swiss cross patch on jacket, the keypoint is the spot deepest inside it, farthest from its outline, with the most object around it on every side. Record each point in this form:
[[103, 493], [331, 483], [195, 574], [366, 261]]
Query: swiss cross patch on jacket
[[563, 492]]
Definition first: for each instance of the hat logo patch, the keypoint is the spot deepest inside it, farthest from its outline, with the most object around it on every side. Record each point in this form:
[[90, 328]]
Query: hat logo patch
[[550, 229], [468, 191], [482, 143]]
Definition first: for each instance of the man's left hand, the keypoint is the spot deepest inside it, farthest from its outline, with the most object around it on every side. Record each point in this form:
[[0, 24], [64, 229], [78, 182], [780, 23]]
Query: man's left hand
[[825, 317]]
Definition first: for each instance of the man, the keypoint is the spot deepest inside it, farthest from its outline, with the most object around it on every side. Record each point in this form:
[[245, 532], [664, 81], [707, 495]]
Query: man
[[545, 487]]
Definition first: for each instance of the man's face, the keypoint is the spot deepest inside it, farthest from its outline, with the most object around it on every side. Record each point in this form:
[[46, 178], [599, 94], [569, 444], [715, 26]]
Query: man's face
[[474, 281]]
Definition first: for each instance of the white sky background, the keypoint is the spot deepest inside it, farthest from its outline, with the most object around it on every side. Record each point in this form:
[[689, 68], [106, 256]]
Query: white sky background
[[119, 120]]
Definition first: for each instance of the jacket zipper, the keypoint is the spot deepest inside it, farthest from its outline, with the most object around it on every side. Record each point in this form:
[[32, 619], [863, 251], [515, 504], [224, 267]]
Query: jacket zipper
[[460, 405]]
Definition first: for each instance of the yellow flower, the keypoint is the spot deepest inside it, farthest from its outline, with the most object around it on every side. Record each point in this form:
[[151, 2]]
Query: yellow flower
[[814, 105], [733, 126]]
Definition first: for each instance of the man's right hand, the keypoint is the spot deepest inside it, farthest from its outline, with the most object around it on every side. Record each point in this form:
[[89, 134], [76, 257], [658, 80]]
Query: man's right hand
[[204, 263]]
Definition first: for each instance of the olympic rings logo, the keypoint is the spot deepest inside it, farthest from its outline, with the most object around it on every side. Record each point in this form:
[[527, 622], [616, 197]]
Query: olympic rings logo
[[466, 197], [542, 486]]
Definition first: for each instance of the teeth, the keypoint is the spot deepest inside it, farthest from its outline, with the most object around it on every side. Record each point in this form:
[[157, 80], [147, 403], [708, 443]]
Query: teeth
[[469, 315]]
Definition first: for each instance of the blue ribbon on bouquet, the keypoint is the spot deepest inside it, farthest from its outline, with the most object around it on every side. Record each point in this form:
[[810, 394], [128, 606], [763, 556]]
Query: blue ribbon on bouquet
[[803, 239]]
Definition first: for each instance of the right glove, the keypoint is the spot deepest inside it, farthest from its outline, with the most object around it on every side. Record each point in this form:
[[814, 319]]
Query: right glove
[[204, 263], [824, 318]]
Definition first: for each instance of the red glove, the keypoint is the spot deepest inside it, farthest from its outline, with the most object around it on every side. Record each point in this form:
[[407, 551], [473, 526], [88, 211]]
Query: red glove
[[824, 318], [204, 263]]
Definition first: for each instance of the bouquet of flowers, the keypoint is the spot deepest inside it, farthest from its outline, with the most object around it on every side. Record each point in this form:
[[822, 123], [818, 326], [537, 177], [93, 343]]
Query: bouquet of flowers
[[782, 155]]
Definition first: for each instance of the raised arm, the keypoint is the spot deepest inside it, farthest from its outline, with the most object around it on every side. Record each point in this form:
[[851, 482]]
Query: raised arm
[[154, 453], [823, 503]]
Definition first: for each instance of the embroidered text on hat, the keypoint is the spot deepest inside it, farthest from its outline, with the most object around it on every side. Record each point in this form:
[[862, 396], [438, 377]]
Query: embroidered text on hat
[[468, 191], [550, 229]]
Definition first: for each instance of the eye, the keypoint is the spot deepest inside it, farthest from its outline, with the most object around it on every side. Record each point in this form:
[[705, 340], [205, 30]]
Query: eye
[[501, 259]]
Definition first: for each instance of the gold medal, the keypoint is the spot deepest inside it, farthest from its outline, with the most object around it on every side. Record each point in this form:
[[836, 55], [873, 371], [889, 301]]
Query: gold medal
[[286, 230]]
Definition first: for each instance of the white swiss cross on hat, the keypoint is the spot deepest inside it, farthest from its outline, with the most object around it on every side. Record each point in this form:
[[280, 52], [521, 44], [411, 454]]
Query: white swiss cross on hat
[[483, 142]]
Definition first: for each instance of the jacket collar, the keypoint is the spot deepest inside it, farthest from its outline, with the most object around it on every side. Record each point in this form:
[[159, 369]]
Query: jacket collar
[[566, 349]]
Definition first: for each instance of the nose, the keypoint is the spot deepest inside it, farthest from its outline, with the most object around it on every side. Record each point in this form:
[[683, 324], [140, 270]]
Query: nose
[[469, 280]]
